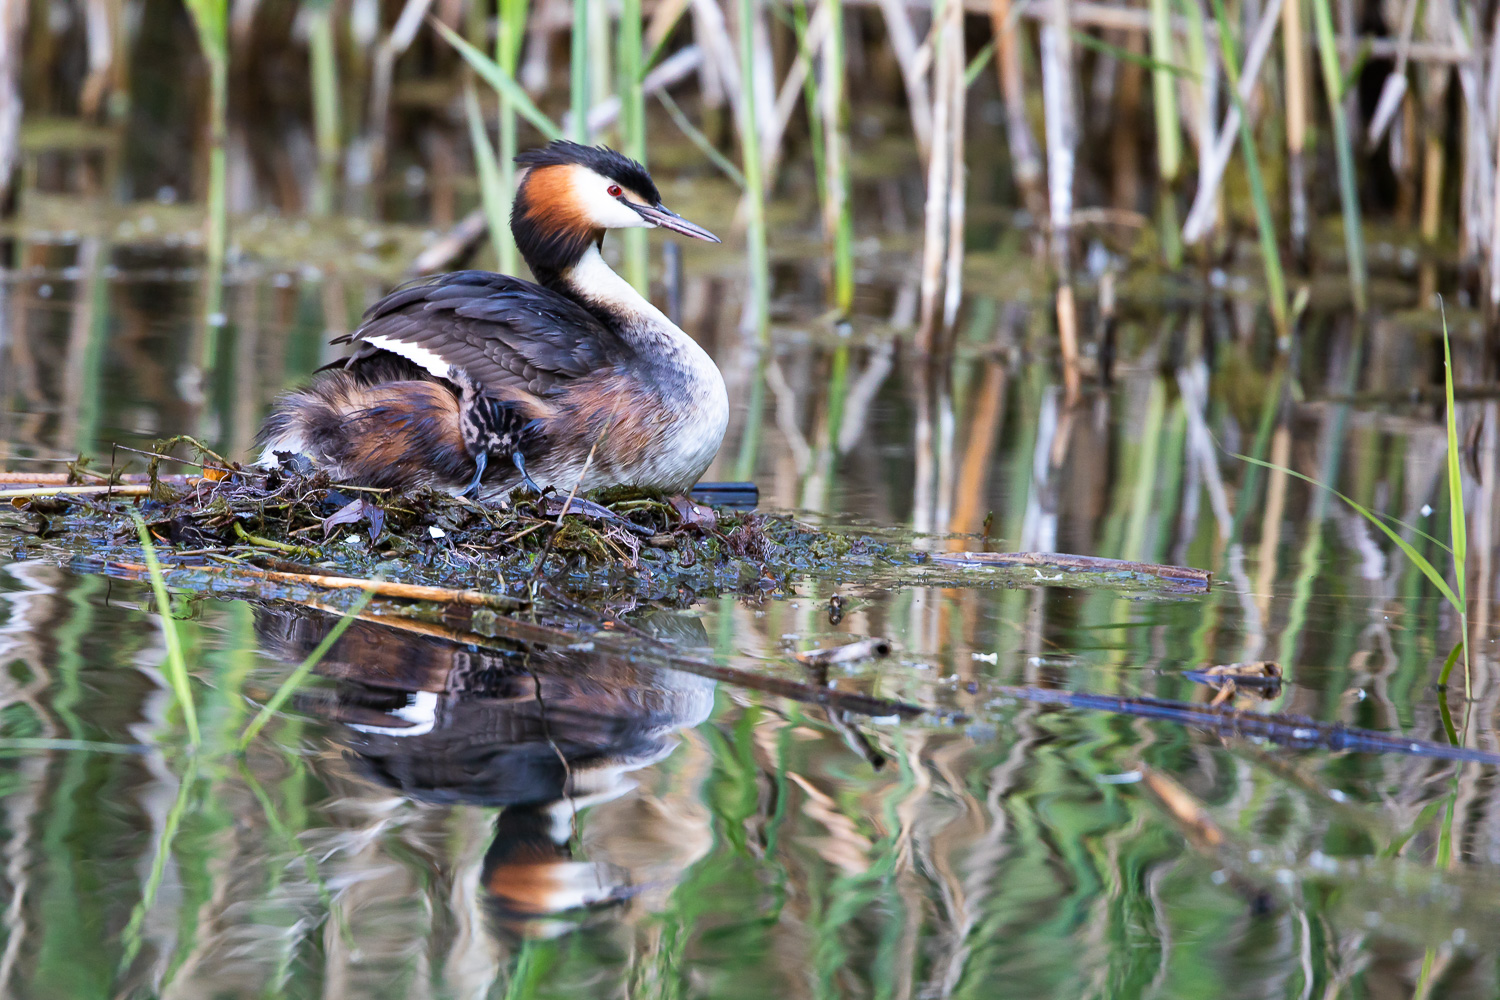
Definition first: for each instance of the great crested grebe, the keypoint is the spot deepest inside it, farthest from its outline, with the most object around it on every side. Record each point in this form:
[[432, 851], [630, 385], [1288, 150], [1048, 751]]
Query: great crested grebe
[[479, 382]]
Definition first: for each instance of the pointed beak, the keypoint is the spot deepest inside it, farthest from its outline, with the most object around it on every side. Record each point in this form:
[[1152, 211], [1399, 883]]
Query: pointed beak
[[664, 217]]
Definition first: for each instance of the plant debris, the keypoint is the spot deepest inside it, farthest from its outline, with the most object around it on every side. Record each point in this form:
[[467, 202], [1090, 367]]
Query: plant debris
[[304, 525]]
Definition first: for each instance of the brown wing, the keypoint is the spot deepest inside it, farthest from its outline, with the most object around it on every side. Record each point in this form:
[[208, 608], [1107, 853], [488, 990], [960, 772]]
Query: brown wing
[[503, 332]]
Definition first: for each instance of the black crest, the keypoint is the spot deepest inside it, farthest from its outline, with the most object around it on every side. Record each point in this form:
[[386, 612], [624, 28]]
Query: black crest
[[600, 159]]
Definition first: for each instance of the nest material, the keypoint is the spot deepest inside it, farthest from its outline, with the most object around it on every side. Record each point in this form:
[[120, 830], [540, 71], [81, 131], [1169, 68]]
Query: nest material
[[663, 548]]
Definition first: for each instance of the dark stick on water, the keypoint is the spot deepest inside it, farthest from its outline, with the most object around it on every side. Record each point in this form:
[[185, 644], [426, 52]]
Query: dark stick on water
[[741, 495]]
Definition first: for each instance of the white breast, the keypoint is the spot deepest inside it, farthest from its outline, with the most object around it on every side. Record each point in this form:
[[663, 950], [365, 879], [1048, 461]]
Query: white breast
[[699, 396]]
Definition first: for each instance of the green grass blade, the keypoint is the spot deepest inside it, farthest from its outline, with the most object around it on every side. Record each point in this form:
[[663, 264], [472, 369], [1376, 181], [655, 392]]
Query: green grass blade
[[1458, 647], [503, 82], [654, 55], [697, 138], [295, 679], [981, 60], [492, 191], [177, 672], [130, 937], [1089, 41], [1354, 239], [1457, 521], [1420, 561]]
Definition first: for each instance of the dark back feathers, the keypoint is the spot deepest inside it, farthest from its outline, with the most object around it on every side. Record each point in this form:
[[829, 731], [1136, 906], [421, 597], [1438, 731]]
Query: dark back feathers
[[505, 333]]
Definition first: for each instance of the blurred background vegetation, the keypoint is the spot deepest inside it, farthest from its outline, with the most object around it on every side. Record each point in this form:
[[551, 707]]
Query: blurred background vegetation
[[1000, 273]]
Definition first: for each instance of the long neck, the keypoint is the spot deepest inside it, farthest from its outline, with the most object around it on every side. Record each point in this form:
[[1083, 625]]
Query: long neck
[[594, 285]]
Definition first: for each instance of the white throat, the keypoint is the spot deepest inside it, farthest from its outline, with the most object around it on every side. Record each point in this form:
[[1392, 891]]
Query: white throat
[[596, 281]]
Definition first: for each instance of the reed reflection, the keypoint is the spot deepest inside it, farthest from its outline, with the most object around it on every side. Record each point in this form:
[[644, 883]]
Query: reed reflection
[[541, 733]]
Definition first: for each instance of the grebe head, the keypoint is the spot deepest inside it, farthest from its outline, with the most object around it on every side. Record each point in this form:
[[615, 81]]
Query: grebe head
[[570, 194]]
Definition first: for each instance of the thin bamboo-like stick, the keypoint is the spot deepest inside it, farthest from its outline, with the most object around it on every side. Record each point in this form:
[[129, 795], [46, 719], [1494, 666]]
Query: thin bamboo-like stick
[[211, 19], [1293, 49], [758, 308], [1492, 309], [957, 176], [509, 34], [1062, 137], [1026, 161], [323, 58], [628, 56], [578, 72], [939, 164], [1168, 136], [12, 34], [838, 219]]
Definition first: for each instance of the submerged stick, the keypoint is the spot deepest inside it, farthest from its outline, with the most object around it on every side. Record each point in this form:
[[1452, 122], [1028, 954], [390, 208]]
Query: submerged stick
[[1197, 579], [1297, 731]]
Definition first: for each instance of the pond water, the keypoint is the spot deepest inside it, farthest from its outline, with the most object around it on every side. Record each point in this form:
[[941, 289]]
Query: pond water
[[454, 809]]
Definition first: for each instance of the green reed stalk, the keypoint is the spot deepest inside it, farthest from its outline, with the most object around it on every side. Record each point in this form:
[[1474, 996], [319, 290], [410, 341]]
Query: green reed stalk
[[296, 677], [177, 671], [493, 192], [1168, 136], [633, 129], [1354, 240], [509, 35], [758, 316], [211, 18], [839, 218], [325, 96], [1270, 251], [578, 72]]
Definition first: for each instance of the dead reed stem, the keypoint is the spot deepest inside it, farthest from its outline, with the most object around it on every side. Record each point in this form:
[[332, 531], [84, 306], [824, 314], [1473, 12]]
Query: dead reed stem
[[947, 118], [1062, 130], [12, 35], [913, 76], [954, 66], [1025, 160], [1201, 216]]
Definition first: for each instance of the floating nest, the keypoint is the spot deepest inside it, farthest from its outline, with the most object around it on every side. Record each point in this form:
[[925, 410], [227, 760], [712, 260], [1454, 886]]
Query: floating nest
[[644, 544]]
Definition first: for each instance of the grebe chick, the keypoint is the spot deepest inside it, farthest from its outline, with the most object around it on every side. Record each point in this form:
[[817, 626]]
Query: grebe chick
[[478, 382]]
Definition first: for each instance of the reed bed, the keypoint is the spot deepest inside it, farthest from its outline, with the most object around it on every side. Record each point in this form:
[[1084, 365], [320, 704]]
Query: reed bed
[[1402, 134]]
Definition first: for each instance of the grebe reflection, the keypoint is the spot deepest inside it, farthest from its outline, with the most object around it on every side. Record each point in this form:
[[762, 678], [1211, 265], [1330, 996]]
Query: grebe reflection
[[538, 732]]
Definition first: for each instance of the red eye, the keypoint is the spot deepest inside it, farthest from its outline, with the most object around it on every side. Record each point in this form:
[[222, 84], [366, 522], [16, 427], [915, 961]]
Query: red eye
[[615, 191]]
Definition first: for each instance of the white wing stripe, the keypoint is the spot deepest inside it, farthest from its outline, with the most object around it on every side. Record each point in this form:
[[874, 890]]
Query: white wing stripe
[[413, 353]]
